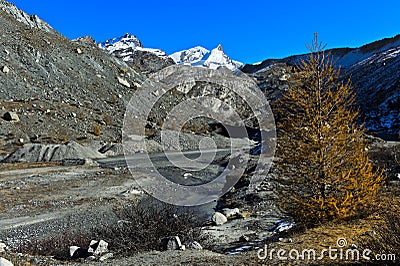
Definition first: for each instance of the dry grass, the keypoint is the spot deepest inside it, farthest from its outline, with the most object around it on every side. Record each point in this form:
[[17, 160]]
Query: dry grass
[[358, 231]]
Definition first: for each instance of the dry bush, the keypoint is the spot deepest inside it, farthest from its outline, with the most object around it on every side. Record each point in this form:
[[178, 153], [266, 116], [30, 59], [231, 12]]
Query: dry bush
[[96, 130], [134, 228], [56, 246], [322, 156], [387, 238], [141, 227]]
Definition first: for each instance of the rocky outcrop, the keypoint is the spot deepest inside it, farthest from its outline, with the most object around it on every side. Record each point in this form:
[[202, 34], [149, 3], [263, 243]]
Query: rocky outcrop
[[30, 20], [52, 153]]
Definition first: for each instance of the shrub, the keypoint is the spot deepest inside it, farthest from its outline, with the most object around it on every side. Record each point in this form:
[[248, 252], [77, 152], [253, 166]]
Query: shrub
[[322, 156], [57, 246], [133, 228], [141, 227], [96, 130]]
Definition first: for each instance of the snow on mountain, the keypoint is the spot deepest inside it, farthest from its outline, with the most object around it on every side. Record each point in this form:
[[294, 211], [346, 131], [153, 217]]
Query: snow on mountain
[[200, 56], [189, 56], [126, 45]]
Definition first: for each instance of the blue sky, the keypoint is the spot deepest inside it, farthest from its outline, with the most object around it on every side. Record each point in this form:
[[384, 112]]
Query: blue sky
[[249, 31]]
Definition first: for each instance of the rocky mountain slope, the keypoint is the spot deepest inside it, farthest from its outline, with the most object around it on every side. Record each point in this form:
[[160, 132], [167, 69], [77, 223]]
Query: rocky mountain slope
[[31, 20], [373, 70], [58, 89]]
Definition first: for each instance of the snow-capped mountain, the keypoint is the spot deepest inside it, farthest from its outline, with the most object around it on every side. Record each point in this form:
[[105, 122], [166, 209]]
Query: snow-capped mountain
[[200, 56], [126, 45], [130, 49], [190, 56]]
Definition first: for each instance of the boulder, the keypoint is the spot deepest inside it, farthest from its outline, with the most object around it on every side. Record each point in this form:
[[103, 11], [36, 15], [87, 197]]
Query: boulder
[[194, 245], [171, 243], [98, 247], [76, 252], [5, 69], [230, 213], [11, 116], [4, 262], [219, 219]]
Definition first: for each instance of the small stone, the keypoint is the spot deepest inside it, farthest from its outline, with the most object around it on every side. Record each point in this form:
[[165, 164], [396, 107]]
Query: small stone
[[106, 257], [79, 51], [21, 140], [370, 233], [5, 69], [183, 248], [229, 213], [35, 261], [11, 116], [171, 243], [187, 175], [219, 219], [123, 82], [2, 247], [4, 262], [244, 214], [285, 240], [91, 258], [195, 245]]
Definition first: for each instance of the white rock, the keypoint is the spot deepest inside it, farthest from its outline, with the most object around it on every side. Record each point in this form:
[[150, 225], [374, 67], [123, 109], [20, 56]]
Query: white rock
[[106, 257], [72, 250], [195, 245], [187, 175], [4, 262], [2, 247], [79, 51], [5, 70], [123, 82], [11, 116], [229, 213], [98, 247], [219, 219]]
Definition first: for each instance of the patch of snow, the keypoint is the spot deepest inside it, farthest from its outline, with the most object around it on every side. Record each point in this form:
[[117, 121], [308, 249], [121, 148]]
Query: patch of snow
[[282, 225]]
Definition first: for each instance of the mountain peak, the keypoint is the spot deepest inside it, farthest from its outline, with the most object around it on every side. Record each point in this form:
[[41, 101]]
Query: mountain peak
[[200, 56]]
